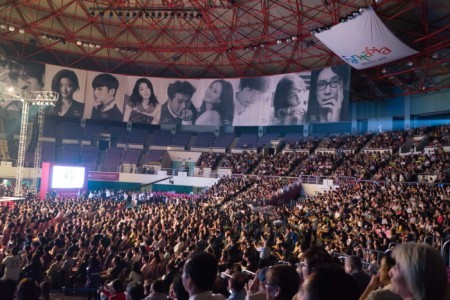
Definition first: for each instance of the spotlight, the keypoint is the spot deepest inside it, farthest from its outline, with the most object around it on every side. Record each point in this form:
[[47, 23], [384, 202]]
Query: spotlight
[[383, 71], [12, 28], [294, 38], [410, 64], [342, 20], [435, 56], [378, 1], [288, 40], [79, 43], [2, 26], [278, 42], [229, 50], [361, 10], [92, 13], [355, 13], [98, 46], [262, 45]]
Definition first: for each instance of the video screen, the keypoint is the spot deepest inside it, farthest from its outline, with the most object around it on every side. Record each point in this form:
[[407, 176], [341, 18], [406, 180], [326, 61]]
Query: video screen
[[66, 177]]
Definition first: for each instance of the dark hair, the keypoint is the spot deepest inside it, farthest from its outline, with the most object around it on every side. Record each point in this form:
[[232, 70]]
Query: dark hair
[[107, 80], [237, 281], [135, 291], [179, 289], [64, 73], [286, 278], [180, 87], [158, 286], [313, 105], [27, 290], [226, 105], [389, 259], [34, 70], [117, 286], [201, 267], [254, 83], [7, 288], [282, 91], [330, 283], [317, 257], [136, 98]]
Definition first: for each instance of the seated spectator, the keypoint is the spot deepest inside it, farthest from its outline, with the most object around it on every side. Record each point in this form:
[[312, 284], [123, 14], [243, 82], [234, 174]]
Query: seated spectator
[[27, 290], [177, 291], [236, 286], [199, 274], [353, 267], [135, 291], [419, 272], [372, 291], [282, 282], [113, 291], [157, 291], [328, 284], [8, 288]]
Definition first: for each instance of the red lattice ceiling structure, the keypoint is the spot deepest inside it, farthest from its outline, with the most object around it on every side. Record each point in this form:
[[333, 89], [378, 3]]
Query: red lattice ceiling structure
[[223, 38]]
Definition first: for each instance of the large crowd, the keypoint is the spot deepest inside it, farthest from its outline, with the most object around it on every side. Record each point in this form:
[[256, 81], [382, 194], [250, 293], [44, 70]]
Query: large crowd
[[141, 245]]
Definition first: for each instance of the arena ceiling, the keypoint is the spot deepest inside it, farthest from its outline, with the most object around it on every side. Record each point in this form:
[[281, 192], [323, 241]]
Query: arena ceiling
[[224, 38]]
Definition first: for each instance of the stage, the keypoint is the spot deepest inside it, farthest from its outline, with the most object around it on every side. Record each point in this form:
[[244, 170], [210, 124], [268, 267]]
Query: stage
[[9, 200]]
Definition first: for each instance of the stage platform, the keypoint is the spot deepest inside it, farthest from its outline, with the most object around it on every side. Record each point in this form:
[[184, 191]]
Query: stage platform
[[10, 199]]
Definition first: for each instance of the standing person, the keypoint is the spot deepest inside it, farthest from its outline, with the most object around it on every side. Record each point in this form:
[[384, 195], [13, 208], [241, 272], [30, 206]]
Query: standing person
[[93, 279], [105, 88], [11, 265], [199, 275], [290, 100], [65, 83], [328, 92], [419, 272], [250, 106], [217, 106], [143, 106], [178, 109]]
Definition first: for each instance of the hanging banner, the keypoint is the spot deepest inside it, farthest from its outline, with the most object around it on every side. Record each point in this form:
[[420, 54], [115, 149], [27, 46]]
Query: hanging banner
[[364, 41]]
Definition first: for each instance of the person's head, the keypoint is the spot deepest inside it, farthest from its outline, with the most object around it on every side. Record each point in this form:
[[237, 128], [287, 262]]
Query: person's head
[[135, 291], [177, 290], [386, 263], [237, 282], [282, 282], [105, 88], [250, 89], [419, 272], [158, 286], [291, 100], [8, 288], [327, 94], [143, 92], [352, 264], [116, 286], [220, 95], [328, 284], [313, 258], [180, 94], [199, 273], [15, 251], [27, 290], [32, 77], [65, 82]]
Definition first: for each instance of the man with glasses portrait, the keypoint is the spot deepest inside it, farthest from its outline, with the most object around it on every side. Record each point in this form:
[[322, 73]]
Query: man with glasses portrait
[[327, 97]]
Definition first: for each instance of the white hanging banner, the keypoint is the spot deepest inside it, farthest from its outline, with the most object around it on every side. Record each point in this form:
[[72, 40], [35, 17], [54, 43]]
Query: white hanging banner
[[364, 41]]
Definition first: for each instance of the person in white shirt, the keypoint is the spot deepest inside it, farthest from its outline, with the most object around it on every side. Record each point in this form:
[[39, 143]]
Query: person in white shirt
[[11, 265]]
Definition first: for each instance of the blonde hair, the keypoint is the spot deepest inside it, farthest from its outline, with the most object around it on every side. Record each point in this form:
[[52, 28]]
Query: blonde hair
[[423, 269]]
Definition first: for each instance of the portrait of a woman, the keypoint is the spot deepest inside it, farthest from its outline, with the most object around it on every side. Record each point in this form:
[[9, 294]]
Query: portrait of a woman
[[328, 94], [217, 106], [143, 106], [290, 101], [65, 82]]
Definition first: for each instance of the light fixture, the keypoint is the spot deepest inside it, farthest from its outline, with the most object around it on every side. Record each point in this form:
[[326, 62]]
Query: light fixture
[[79, 43], [21, 30], [294, 38], [410, 64], [278, 41], [2, 26], [11, 28], [383, 71]]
